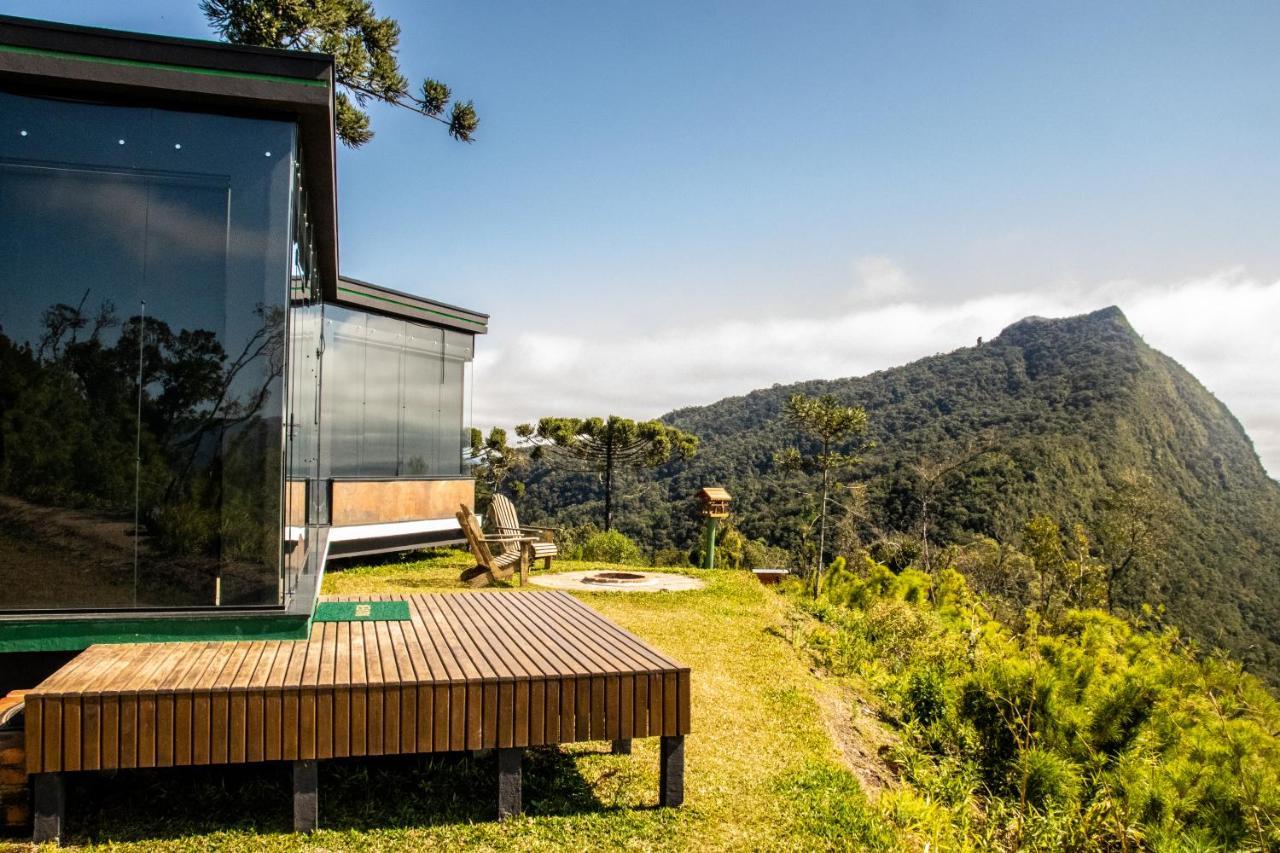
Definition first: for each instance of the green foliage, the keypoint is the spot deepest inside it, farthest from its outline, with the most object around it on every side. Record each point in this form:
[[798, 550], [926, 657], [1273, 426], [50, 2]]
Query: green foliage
[[1082, 732], [363, 46], [1078, 418], [496, 464], [610, 546], [607, 447], [829, 426]]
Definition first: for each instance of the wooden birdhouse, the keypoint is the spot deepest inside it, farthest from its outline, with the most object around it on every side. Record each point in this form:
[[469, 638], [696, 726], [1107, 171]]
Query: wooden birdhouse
[[714, 501]]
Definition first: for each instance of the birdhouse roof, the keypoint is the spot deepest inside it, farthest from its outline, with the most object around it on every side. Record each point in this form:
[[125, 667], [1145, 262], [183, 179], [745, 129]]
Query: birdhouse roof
[[714, 493]]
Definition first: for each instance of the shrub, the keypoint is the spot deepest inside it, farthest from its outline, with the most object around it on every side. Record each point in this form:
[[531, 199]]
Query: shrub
[[758, 554], [611, 547], [1049, 779], [926, 697], [671, 557]]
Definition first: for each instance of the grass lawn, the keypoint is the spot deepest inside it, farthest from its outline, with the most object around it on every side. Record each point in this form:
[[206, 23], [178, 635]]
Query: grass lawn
[[761, 772]]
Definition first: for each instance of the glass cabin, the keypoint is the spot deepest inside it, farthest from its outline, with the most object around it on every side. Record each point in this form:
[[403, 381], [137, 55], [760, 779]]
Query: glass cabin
[[196, 410]]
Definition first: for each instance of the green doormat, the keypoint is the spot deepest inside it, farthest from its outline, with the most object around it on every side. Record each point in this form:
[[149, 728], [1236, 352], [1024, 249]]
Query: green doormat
[[361, 611]]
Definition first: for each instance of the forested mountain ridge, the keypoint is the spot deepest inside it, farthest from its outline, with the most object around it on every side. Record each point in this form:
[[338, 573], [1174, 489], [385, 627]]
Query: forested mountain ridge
[[1066, 408]]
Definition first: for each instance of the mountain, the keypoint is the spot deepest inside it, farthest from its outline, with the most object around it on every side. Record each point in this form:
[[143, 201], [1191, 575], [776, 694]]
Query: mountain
[[1071, 407]]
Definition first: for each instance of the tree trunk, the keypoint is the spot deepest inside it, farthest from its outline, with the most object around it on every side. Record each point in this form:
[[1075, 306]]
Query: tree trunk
[[924, 533], [822, 533], [608, 483]]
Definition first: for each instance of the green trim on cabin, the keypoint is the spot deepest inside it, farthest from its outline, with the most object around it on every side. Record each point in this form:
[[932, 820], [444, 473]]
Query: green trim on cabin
[[160, 66], [362, 294], [72, 635]]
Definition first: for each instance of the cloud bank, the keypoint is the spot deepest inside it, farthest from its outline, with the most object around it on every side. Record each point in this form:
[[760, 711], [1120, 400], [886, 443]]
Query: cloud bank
[[1221, 327]]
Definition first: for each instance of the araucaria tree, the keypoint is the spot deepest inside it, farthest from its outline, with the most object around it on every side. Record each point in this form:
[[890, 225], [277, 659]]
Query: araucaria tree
[[364, 50], [607, 447], [831, 427], [496, 462]]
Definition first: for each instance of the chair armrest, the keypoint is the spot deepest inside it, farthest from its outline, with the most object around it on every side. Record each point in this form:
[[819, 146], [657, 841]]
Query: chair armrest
[[507, 537]]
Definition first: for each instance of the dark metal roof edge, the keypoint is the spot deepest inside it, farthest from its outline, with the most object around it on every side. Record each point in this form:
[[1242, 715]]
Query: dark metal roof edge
[[475, 322], [140, 69], [57, 31]]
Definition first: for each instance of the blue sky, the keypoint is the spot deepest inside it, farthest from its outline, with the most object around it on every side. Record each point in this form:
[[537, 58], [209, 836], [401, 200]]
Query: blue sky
[[665, 198]]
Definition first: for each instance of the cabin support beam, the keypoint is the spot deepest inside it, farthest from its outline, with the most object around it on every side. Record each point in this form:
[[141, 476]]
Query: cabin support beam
[[671, 772], [306, 796], [509, 782], [50, 795]]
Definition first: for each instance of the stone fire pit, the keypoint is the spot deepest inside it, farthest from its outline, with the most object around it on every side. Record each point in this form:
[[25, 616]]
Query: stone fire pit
[[617, 580]]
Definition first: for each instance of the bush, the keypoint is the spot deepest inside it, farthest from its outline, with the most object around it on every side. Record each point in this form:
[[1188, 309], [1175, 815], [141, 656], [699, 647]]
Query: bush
[[926, 698], [758, 554], [1050, 779], [672, 557], [611, 547]]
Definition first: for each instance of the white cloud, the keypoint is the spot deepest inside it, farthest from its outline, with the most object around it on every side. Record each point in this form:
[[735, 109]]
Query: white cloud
[[878, 279], [1221, 327]]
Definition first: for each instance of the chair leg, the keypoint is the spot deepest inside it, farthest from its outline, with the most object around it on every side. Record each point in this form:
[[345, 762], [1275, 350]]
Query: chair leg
[[546, 563], [671, 772], [509, 782], [50, 794], [306, 796]]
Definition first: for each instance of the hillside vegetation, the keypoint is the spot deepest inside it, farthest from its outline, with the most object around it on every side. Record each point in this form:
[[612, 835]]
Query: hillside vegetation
[[892, 712], [1051, 417]]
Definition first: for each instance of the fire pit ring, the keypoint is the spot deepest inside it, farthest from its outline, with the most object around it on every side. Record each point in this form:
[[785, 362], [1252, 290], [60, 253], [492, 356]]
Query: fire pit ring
[[617, 580], [615, 577]]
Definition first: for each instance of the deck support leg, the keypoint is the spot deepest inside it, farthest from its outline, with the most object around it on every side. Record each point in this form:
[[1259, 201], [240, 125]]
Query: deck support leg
[[671, 771], [621, 747], [306, 796], [50, 808], [509, 782]]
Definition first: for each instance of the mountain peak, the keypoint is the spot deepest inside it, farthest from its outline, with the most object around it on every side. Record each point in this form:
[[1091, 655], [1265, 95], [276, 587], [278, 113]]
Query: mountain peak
[[1104, 325]]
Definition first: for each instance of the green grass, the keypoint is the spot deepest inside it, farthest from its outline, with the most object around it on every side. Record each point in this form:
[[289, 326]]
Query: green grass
[[761, 771]]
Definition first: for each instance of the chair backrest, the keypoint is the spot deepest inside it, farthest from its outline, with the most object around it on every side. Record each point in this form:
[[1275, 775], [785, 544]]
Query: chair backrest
[[504, 514], [471, 529]]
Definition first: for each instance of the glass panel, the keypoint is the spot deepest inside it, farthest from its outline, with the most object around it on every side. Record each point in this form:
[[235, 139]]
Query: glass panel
[[423, 364], [384, 344], [343, 389], [305, 501], [394, 397], [143, 271], [452, 441]]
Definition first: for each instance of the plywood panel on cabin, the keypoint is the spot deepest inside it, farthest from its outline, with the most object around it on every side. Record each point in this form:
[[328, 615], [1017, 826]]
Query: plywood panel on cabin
[[386, 501]]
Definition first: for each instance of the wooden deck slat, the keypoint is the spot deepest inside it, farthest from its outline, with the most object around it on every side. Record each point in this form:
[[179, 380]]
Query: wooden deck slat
[[465, 671], [500, 701], [342, 691]]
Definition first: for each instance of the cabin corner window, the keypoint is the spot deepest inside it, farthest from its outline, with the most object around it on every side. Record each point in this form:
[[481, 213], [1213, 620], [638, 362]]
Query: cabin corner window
[[395, 397], [144, 281]]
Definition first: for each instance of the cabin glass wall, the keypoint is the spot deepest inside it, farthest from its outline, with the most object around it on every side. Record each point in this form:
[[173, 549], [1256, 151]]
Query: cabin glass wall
[[393, 397], [305, 507], [144, 266]]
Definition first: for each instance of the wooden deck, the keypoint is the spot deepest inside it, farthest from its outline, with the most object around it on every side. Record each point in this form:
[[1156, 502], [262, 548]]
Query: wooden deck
[[467, 671]]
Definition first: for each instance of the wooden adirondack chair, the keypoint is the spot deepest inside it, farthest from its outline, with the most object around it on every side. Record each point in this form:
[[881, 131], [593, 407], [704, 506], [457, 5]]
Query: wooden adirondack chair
[[513, 554], [506, 523]]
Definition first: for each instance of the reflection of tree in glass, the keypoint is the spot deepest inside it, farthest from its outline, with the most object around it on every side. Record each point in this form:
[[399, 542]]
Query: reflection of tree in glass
[[208, 475]]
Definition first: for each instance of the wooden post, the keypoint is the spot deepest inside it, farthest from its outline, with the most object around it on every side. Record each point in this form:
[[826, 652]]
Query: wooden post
[[671, 772], [306, 796], [621, 747], [51, 808], [509, 781]]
